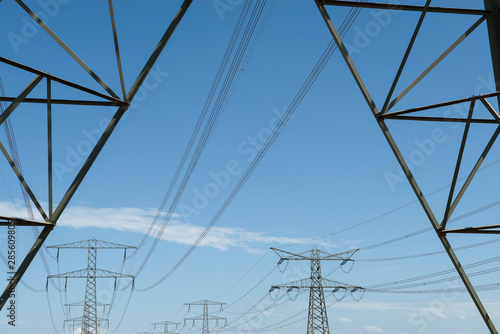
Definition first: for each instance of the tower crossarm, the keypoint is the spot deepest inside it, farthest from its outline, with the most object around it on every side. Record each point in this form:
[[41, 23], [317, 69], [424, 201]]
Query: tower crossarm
[[205, 319], [200, 317], [165, 323], [76, 304], [84, 273], [323, 256], [80, 319], [205, 302], [166, 326], [308, 284], [92, 243]]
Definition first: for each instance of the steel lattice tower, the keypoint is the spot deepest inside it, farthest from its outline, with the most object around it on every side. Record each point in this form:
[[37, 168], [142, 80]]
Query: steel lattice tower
[[383, 113], [93, 99], [90, 303], [90, 320], [206, 317], [317, 320]]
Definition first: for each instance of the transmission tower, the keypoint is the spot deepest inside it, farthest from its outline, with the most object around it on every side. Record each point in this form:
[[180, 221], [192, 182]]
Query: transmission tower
[[166, 325], [92, 99], [489, 18], [91, 273], [206, 317], [317, 321]]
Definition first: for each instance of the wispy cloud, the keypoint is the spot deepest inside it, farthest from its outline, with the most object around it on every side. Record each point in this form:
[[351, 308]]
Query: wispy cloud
[[345, 319], [372, 328], [138, 220]]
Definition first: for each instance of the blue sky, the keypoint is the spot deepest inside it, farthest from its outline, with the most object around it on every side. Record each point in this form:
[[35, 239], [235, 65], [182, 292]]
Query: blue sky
[[329, 174]]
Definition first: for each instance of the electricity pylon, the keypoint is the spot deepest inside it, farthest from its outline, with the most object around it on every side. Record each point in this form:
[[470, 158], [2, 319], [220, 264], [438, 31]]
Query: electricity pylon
[[91, 273], [206, 317], [317, 321], [488, 22], [166, 325], [92, 98]]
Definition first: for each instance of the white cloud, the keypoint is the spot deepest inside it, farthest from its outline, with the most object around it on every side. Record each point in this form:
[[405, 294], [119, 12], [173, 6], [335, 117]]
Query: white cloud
[[345, 319], [10, 209], [138, 220], [372, 328]]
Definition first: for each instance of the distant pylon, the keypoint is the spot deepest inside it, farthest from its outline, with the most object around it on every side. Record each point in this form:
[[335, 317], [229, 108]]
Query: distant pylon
[[206, 317], [317, 321], [91, 273], [166, 325]]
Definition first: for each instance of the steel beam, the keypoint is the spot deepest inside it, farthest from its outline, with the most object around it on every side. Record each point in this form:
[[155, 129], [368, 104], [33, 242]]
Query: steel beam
[[49, 147], [377, 5], [440, 105], [436, 62], [117, 48], [25, 264], [443, 119], [23, 182], [447, 213], [490, 108], [65, 102], [474, 170], [405, 57], [66, 48], [347, 59], [159, 48], [493, 24], [5, 221], [488, 229], [60, 80], [17, 101], [88, 163]]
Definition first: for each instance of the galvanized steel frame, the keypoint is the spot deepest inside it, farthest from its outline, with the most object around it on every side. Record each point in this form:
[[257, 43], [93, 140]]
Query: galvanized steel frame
[[317, 320], [109, 99], [491, 16]]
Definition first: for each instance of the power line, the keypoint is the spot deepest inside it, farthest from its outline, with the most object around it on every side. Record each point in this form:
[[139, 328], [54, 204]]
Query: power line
[[209, 127], [208, 101], [267, 145]]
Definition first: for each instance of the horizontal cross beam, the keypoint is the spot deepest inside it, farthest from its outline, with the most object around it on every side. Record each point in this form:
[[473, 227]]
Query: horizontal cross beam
[[488, 229], [62, 101], [4, 220], [413, 8]]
